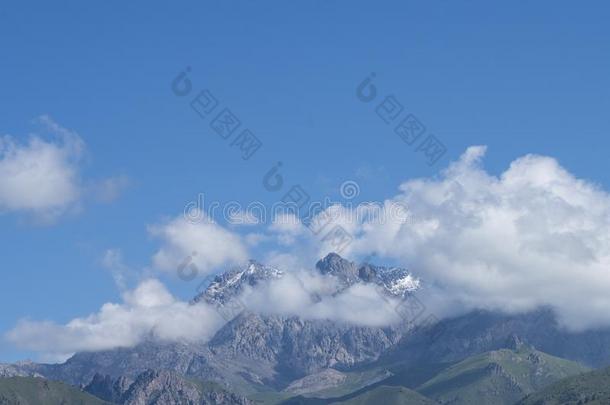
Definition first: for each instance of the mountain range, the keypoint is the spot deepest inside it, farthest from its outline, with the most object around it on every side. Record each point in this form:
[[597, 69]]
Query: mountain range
[[482, 356]]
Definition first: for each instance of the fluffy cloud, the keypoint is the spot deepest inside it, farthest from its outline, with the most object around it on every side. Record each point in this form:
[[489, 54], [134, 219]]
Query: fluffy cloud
[[534, 236], [41, 176], [337, 229], [206, 244], [148, 311], [286, 228], [313, 296]]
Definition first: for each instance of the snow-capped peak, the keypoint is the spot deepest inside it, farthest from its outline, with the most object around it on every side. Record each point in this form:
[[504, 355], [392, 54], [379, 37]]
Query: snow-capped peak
[[404, 284], [231, 283]]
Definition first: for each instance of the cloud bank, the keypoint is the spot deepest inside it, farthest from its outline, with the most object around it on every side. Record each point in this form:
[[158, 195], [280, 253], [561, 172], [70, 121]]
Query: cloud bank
[[313, 296], [533, 236], [148, 311]]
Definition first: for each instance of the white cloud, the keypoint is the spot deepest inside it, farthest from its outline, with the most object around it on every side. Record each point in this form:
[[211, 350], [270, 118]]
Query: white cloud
[[147, 311], [255, 238], [533, 236], [113, 262], [213, 246], [123, 275], [41, 177], [286, 228], [302, 245], [311, 295], [150, 311]]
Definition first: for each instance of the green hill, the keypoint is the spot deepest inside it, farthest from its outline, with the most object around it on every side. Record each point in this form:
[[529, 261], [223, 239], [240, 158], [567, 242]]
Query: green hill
[[38, 391], [591, 388], [381, 394], [500, 377], [389, 395]]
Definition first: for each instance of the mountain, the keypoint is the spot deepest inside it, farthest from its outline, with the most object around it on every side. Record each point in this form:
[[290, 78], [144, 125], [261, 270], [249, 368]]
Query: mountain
[[37, 391], [500, 377], [271, 358], [273, 350], [591, 388], [230, 284], [254, 352], [482, 331], [251, 353], [149, 388], [161, 387], [282, 349], [394, 281]]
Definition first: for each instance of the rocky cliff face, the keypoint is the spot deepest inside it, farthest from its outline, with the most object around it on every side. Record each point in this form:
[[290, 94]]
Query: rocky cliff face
[[167, 388], [160, 388], [22, 369], [290, 348], [107, 388]]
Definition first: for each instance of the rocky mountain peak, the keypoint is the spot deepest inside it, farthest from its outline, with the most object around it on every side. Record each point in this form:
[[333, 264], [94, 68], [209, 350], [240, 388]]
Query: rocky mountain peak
[[231, 283], [343, 269], [367, 273], [396, 281]]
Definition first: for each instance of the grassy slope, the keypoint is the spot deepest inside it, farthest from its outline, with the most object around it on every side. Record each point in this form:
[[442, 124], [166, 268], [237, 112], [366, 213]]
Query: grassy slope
[[37, 391], [591, 388], [389, 395], [381, 394], [499, 377]]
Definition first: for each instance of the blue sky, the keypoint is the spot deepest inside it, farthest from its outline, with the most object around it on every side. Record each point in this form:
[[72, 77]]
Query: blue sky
[[520, 78]]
